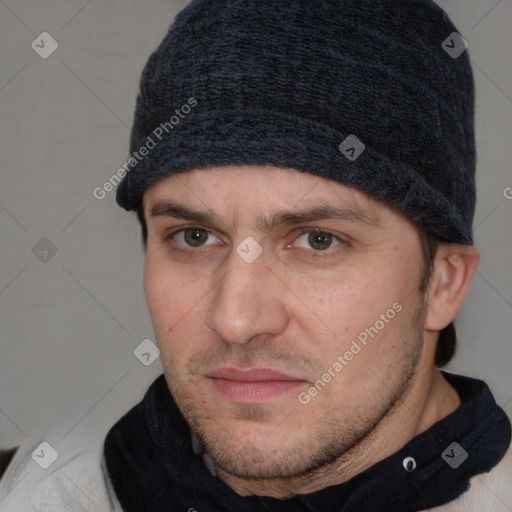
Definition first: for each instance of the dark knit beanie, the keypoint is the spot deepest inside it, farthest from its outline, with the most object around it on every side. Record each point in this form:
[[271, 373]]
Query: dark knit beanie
[[374, 94]]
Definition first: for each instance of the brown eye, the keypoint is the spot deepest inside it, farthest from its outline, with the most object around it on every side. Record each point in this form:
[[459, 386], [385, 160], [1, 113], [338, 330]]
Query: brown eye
[[191, 239], [195, 237], [320, 240]]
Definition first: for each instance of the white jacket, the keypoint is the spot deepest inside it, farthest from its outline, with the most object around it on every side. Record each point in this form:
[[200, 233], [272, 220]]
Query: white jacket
[[79, 482]]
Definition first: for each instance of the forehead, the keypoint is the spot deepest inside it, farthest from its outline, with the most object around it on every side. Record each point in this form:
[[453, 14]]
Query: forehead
[[249, 185]]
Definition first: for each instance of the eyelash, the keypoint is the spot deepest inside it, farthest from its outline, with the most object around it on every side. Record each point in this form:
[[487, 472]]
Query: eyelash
[[327, 253]]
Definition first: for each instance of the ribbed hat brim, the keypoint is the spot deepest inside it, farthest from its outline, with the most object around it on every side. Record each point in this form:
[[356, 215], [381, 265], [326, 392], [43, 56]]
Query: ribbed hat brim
[[259, 137]]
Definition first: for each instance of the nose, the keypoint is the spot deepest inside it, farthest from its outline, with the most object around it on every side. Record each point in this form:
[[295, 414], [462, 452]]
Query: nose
[[249, 301]]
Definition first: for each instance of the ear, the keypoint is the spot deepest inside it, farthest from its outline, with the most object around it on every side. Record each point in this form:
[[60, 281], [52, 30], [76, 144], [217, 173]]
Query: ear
[[455, 265]]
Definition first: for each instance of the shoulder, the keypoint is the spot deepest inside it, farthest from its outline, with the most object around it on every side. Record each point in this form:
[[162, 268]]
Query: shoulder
[[76, 481], [487, 491]]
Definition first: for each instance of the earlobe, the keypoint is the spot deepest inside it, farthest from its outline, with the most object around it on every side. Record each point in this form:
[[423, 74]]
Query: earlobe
[[454, 269]]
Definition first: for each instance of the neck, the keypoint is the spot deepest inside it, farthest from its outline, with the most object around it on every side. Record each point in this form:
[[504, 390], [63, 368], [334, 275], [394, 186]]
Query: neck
[[430, 399]]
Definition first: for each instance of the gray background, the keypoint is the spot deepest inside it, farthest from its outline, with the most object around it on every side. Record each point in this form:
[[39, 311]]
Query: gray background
[[69, 325]]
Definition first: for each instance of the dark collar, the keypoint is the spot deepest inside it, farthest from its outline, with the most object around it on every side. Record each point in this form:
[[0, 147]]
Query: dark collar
[[152, 467], [5, 459]]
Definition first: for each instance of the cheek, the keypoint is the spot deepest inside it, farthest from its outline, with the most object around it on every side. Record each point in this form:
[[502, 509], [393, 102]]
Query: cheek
[[176, 303], [166, 293], [156, 290], [337, 303], [364, 306]]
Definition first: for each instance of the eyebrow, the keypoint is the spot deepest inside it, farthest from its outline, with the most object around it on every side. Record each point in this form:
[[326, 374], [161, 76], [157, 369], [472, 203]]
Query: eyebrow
[[265, 224]]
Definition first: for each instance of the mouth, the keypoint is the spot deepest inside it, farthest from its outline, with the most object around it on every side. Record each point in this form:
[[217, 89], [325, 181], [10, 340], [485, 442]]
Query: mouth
[[256, 385]]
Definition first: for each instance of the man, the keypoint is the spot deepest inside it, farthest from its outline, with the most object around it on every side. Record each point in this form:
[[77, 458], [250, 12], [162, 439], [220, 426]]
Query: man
[[304, 176]]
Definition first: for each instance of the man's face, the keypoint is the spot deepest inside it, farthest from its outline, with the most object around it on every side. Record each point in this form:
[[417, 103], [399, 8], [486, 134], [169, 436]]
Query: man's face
[[280, 361]]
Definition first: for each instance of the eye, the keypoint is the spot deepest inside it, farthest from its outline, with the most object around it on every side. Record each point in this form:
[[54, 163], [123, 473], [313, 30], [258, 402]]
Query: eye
[[318, 240], [193, 237]]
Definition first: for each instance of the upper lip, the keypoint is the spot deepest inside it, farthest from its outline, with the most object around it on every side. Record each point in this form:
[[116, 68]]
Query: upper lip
[[253, 374]]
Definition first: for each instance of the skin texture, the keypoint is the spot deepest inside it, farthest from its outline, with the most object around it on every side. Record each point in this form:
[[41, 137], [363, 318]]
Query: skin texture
[[298, 307]]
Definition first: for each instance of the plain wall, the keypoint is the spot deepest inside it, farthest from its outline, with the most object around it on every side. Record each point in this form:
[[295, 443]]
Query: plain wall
[[69, 325]]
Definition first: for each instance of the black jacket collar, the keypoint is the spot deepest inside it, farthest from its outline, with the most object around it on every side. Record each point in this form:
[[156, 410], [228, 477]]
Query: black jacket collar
[[153, 469]]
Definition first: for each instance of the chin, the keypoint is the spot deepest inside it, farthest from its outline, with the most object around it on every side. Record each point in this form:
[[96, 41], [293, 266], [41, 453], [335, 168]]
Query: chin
[[264, 452]]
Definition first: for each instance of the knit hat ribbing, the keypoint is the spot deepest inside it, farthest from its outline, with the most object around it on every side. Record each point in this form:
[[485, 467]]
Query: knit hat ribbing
[[284, 82]]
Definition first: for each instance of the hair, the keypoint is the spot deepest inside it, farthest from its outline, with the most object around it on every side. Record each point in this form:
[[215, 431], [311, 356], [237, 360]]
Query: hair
[[447, 341]]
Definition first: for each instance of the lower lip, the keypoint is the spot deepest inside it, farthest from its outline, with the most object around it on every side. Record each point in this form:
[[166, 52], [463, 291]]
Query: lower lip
[[254, 391]]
